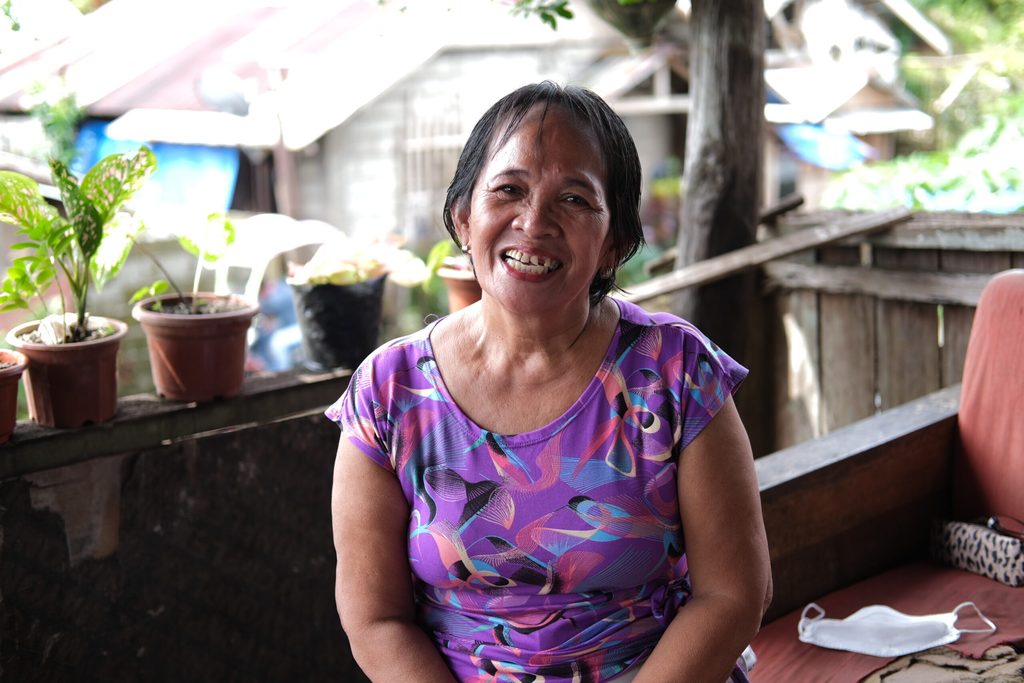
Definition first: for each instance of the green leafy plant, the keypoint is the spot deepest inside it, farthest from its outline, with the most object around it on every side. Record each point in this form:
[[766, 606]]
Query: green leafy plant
[[208, 241], [85, 247], [348, 260], [444, 254]]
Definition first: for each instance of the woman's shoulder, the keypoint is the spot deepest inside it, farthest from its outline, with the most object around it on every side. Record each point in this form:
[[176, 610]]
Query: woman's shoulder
[[397, 356], [666, 324]]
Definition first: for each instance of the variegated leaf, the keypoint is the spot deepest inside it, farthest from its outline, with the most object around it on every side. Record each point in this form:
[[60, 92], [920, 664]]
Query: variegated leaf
[[22, 205], [115, 178]]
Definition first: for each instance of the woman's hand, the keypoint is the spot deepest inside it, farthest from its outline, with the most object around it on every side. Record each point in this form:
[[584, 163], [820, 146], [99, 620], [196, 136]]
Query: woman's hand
[[727, 551], [373, 586]]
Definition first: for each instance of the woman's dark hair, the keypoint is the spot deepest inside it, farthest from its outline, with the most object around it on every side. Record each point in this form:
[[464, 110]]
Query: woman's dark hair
[[622, 164]]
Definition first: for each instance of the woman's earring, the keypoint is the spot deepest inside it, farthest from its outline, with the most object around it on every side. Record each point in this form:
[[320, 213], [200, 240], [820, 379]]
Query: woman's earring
[[465, 248]]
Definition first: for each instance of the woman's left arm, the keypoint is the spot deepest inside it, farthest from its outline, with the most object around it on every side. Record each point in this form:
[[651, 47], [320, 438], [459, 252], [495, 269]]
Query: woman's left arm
[[727, 553]]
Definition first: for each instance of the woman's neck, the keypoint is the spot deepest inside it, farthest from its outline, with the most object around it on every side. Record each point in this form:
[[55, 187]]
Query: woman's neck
[[496, 334]]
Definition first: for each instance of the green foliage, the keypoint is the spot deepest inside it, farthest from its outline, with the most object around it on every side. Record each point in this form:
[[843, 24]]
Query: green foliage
[[970, 161], [158, 287], [435, 259], [548, 12], [208, 242], [988, 67], [88, 246], [981, 173], [5, 8], [59, 115], [551, 12], [977, 24]]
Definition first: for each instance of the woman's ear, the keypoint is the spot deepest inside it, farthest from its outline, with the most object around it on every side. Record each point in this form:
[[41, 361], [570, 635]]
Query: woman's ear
[[460, 217], [609, 260]]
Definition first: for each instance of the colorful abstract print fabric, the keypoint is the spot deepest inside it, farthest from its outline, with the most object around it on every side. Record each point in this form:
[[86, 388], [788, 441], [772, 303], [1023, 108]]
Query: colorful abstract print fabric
[[555, 555]]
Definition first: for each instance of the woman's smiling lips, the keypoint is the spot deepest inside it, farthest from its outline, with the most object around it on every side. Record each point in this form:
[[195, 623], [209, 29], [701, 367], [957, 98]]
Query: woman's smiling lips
[[529, 264]]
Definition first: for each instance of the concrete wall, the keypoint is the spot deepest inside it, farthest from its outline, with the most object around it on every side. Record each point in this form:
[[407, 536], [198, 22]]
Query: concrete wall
[[207, 560]]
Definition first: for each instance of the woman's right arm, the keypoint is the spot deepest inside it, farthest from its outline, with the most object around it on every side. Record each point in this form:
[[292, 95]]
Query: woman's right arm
[[373, 585]]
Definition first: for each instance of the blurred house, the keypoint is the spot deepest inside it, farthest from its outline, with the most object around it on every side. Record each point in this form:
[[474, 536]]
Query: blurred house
[[354, 112], [834, 94]]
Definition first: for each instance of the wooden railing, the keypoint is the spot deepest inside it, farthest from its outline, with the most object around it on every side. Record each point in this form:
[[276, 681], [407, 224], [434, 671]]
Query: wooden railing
[[869, 310], [871, 323]]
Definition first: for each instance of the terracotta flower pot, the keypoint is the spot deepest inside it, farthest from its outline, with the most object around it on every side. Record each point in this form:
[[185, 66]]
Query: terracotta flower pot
[[70, 385], [9, 378], [463, 289], [196, 357]]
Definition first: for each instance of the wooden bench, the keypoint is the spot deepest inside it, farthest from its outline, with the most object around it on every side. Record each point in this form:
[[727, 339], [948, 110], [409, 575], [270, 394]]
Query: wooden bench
[[849, 515]]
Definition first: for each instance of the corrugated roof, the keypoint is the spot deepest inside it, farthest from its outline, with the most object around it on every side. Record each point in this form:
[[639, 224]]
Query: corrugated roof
[[306, 63]]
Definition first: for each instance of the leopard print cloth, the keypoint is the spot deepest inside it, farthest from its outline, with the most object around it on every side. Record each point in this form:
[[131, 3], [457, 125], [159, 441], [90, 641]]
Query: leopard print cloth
[[980, 550]]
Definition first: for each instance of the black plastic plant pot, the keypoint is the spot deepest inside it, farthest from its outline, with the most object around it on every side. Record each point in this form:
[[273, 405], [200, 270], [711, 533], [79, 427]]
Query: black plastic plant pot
[[339, 323]]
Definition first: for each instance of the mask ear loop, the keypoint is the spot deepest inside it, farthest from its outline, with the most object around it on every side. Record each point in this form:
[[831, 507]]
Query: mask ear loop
[[991, 626], [806, 621]]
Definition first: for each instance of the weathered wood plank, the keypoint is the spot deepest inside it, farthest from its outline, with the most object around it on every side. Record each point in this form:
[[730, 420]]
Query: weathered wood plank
[[746, 258], [848, 359], [982, 262], [769, 215], [858, 500], [935, 230], [839, 255], [956, 324], [797, 387], [908, 336], [938, 288], [848, 347], [956, 320]]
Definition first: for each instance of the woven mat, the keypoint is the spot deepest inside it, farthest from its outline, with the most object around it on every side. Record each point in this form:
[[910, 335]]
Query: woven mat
[[1001, 664]]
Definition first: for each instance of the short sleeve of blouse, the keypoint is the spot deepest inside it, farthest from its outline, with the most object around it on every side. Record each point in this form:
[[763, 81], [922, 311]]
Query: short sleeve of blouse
[[361, 415], [707, 377]]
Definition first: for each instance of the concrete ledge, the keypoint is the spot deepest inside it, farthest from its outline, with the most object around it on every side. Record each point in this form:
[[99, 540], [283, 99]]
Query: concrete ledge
[[144, 422]]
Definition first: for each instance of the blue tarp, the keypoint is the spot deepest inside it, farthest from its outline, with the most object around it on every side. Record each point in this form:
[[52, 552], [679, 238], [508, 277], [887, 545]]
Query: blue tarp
[[193, 177], [815, 144]]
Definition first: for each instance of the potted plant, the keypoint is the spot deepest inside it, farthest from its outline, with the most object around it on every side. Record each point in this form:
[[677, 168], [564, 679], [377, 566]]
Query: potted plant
[[196, 340], [72, 374], [338, 295], [637, 20], [456, 271], [12, 364]]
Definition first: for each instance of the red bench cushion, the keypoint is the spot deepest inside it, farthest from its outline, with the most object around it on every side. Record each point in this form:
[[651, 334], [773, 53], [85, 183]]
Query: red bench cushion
[[990, 467], [913, 589]]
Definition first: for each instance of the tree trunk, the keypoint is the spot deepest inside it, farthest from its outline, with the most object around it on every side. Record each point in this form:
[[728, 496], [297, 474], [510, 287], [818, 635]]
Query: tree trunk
[[722, 175]]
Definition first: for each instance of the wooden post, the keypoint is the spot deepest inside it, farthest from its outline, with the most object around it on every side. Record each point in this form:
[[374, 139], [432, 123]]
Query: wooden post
[[724, 130], [721, 180]]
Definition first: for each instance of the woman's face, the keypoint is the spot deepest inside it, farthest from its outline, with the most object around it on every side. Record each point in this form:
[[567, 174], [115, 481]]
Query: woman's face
[[537, 222]]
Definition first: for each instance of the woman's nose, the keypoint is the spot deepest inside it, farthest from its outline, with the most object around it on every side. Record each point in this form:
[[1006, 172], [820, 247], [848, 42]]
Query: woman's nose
[[535, 219]]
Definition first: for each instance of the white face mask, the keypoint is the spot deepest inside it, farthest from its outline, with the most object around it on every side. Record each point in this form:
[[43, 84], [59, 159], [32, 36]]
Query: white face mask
[[883, 632]]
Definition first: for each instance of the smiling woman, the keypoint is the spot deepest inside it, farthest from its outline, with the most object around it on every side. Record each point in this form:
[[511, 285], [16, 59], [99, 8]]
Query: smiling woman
[[563, 476]]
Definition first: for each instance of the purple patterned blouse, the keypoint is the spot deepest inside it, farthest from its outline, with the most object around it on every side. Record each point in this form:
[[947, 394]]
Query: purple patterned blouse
[[555, 555]]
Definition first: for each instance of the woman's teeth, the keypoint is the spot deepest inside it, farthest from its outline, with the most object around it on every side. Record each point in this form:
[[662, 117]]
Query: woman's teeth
[[527, 263]]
